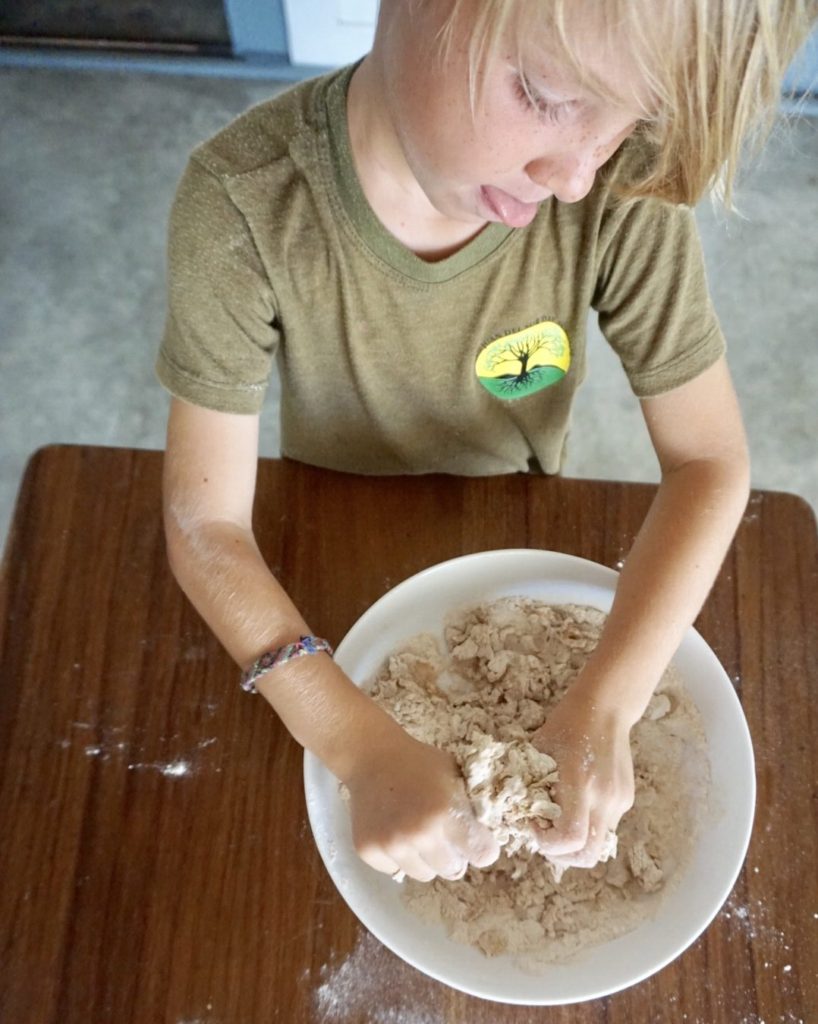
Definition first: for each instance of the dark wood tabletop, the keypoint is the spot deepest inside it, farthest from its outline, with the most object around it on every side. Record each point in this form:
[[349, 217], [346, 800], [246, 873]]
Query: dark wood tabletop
[[156, 864]]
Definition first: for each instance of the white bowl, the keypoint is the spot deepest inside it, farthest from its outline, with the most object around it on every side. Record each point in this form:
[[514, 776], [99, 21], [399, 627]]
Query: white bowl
[[419, 605]]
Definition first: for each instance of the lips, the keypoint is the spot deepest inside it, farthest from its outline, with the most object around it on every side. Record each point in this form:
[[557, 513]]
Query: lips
[[509, 211]]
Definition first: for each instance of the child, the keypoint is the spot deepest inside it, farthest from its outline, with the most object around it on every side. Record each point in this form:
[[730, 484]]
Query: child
[[418, 240]]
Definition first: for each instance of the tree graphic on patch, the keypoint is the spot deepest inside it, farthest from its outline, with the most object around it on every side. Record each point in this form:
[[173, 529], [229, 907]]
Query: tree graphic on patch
[[524, 362]]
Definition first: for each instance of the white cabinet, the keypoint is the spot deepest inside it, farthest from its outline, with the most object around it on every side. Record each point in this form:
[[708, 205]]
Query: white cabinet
[[328, 33]]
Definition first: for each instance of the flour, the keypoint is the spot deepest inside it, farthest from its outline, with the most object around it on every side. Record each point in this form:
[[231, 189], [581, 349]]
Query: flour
[[373, 985], [505, 665]]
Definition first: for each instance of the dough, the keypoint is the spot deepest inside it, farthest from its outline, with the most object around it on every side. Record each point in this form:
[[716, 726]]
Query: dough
[[504, 665]]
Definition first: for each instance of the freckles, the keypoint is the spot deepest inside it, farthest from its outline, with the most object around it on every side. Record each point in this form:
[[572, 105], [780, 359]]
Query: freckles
[[605, 149], [592, 139]]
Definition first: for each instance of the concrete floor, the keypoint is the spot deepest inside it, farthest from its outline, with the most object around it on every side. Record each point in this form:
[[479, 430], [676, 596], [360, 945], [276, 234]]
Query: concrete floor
[[88, 165]]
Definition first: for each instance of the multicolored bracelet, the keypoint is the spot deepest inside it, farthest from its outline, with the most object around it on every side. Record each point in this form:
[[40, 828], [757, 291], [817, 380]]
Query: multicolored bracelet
[[267, 662]]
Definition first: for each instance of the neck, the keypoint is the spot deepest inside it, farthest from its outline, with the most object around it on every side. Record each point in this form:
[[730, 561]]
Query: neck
[[385, 176], [376, 150]]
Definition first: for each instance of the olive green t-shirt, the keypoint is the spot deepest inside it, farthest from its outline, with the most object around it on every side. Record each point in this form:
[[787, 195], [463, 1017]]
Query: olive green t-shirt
[[390, 363]]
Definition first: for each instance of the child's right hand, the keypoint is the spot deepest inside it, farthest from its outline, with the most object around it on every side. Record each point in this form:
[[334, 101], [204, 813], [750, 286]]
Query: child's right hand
[[410, 813]]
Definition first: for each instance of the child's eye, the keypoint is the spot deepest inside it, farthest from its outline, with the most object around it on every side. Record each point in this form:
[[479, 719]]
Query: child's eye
[[531, 101]]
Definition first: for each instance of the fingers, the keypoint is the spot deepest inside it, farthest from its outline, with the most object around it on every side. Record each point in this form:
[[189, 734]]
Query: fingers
[[378, 859], [570, 831], [404, 861], [585, 832], [591, 808], [423, 861], [445, 851], [413, 865], [423, 830], [444, 859], [599, 845], [469, 837]]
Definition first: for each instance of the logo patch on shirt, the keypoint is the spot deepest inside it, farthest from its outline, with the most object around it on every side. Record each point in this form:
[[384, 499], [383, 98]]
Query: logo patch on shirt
[[519, 364]]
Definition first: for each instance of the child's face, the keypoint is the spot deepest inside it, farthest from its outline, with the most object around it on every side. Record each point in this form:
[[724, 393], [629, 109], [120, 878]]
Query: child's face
[[501, 163]]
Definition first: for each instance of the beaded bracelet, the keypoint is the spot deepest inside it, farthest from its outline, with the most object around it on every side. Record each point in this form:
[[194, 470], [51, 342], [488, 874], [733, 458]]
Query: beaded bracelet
[[267, 662]]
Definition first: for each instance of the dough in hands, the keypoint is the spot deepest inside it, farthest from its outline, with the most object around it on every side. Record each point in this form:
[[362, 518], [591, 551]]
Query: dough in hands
[[505, 664]]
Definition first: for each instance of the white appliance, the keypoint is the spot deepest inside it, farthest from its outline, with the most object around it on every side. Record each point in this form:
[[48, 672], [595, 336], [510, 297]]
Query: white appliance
[[329, 33]]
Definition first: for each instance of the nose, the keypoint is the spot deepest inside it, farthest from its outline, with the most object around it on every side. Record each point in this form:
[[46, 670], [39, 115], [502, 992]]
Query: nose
[[569, 178], [569, 174]]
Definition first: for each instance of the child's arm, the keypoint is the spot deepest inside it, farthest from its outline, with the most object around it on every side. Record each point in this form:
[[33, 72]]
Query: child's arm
[[423, 828], [699, 439]]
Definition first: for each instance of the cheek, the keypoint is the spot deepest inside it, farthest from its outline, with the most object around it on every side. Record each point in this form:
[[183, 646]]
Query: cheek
[[508, 138], [437, 127], [456, 147], [608, 140]]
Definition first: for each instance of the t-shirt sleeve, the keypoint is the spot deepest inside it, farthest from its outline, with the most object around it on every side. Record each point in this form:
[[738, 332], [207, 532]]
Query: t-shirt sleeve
[[652, 297], [220, 333]]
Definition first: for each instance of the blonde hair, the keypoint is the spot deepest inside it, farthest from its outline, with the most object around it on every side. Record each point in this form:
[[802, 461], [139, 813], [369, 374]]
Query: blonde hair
[[714, 69]]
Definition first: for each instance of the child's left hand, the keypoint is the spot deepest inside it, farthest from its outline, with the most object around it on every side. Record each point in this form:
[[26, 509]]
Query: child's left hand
[[591, 745]]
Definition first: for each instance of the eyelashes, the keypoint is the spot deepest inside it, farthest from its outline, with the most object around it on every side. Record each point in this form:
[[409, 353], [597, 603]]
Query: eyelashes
[[529, 100]]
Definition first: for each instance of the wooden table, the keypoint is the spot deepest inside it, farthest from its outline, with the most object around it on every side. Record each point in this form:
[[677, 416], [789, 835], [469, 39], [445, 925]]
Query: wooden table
[[155, 859]]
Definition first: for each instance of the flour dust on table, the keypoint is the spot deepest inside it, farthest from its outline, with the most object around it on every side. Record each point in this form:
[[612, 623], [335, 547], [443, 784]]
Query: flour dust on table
[[371, 983], [505, 664]]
